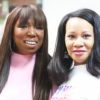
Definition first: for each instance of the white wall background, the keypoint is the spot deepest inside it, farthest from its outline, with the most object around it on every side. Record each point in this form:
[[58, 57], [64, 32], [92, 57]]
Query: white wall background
[[55, 10]]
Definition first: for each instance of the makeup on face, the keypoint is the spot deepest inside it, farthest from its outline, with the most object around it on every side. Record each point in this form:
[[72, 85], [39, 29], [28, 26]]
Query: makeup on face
[[79, 39], [27, 37]]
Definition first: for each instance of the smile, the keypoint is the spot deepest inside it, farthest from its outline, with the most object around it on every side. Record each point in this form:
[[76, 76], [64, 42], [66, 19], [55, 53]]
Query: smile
[[31, 43], [79, 52]]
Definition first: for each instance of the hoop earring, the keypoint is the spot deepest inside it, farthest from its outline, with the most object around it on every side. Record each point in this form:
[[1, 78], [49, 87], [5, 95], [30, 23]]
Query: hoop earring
[[72, 65], [13, 44], [66, 55]]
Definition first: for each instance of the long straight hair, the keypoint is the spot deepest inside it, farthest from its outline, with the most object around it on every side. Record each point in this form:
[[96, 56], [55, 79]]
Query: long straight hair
[[59, 67], [40, 75]]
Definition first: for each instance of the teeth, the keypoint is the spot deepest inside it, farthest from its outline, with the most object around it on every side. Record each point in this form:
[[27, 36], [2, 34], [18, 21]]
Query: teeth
[[32, 43]]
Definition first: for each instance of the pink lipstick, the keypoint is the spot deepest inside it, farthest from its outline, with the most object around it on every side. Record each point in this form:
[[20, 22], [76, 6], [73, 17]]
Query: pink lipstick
[[79, 52]]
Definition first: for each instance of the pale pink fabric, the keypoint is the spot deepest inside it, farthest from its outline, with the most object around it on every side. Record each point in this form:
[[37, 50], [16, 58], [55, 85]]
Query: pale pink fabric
[[19, 84], [53, 90]]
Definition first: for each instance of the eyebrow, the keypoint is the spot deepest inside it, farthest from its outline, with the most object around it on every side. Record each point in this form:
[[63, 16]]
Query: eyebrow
[[87, 32], [82, 32], [70, 32]]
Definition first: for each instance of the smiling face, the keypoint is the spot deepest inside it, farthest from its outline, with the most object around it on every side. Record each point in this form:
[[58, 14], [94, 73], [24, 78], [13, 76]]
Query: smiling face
[[79, 39], [27, 38]]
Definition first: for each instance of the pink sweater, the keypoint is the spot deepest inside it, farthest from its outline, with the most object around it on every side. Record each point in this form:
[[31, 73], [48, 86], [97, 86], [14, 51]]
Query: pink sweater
[[19, 85]]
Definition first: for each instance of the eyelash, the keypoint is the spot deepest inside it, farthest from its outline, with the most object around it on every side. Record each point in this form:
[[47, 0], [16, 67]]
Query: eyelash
[[84, 36], [24, 26], [71, 36], [39, 27]]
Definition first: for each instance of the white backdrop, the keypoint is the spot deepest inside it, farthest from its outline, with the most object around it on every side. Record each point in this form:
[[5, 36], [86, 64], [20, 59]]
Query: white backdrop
[[55, 10]]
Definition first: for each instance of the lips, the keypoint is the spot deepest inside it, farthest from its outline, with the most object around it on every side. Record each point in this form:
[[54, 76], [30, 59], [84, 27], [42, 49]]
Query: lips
[[78, 52]]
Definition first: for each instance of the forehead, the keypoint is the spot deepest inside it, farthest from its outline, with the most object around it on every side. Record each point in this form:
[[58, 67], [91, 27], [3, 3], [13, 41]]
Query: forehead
[[78, 24], [34, 16], [23, 21], [77, 20], [28, 21]]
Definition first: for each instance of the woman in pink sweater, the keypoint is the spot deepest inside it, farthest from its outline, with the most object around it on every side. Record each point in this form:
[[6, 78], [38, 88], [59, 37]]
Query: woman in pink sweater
[[24, 56]]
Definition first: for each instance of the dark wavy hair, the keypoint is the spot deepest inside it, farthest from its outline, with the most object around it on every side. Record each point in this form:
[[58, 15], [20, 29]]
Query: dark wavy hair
[[59, 67], [40, 75]]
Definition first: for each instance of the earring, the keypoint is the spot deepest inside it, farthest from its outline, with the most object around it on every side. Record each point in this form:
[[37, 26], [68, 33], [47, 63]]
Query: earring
[[14, 45], [66, 55], [72, 65]]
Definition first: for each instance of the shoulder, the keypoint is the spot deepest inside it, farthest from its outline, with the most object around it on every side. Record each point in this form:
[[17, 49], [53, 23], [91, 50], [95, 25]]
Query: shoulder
[[80, 86], [78, 92]]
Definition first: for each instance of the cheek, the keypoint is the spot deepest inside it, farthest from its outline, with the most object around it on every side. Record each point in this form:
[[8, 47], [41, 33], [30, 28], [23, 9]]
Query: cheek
[[90, 48], [69, 48], [68, 45], [89, 44], [67, 42], [17, 37], [41, 35], [16, 33], [19, 33]]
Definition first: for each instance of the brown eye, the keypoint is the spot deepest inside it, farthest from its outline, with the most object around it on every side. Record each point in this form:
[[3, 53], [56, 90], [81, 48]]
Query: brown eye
[[23, 26], [39, 27], [86, 36], [71, 36]]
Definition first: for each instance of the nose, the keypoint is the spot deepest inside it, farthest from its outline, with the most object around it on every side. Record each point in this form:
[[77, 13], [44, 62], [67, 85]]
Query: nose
[[78, 42], [31, 31]]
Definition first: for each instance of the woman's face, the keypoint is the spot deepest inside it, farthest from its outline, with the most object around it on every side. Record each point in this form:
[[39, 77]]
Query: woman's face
[[79, 39], [27, 38]]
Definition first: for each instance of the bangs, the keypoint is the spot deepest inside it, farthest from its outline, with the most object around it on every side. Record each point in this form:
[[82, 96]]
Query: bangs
[[36, 15]]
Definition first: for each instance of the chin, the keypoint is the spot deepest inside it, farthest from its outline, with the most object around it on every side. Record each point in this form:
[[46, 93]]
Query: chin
[[80, 62]]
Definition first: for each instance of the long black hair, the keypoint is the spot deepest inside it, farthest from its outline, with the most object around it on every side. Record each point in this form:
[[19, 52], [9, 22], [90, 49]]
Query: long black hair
[[40, 76], [59, 67]]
